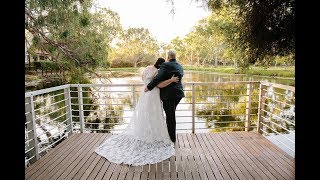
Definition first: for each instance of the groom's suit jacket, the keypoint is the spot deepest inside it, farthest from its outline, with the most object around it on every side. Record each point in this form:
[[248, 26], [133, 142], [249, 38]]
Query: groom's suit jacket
[[173, 90]]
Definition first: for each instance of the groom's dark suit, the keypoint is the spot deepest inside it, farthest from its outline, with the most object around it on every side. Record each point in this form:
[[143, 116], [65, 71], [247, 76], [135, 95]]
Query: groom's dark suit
[[171, 94]]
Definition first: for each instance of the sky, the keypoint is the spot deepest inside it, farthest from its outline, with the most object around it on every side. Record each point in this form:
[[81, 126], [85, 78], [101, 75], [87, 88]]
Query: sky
[[155, 16]]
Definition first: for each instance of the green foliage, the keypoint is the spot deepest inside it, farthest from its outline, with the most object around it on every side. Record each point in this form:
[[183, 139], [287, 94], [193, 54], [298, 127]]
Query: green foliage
[[70, 33], [77, 77], [241, 33], [112, 116], [136, 47], [267, 28], [263, 71]]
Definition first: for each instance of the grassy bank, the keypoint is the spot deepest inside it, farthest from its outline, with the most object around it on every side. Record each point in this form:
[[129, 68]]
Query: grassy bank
[[271, 71], [262, 71], [127, 69]]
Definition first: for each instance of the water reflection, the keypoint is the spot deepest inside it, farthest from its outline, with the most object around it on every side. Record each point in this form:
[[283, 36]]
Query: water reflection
[[215, 106]]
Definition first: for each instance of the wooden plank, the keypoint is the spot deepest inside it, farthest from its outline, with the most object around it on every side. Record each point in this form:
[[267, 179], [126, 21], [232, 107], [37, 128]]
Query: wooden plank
[[100, 172], [159, 170], [152, 173], [173, 168], [54, 167], [137, 172], [96, 170], [179, 164], [123, 172], [222, 151], [251, 148], [226, 173], [38, 164], [184, 159], [243, 156], [130, 172], [107, 166], [74, 168], [200, 165], [242, 165], [166, 170], [270, 157], [145, 171], [54, 161], [206, 156], [70, 163], [115, 172], [109, 171], [56, 151], [86, 169], [250, 153], [89, 166], [273, 151], [184, 154], [281, 153], [192, 163]]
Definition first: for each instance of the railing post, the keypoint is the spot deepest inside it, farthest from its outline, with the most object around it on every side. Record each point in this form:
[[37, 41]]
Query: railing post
[[134, 96], [193, 108], [67, 97], [30, 127], [34, 127], [248, 107], [80, 102], [261, 107]]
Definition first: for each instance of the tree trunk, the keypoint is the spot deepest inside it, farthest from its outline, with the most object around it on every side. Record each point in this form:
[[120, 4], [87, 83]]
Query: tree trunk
[[191, 58], [28, 56], [216, 61], [204, 60], [198, 59]]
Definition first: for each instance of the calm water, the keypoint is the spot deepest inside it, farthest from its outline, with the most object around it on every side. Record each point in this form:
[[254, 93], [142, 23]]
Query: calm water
[[184, 108], [197, 76]]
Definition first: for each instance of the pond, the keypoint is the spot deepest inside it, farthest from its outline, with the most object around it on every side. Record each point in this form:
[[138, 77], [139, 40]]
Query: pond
[[184, 105]]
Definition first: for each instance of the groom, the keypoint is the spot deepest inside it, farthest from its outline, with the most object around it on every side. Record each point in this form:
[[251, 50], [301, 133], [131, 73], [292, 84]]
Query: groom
[[171, 94]]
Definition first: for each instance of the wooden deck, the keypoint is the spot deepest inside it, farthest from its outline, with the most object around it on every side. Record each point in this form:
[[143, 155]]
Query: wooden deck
[[227, 155]]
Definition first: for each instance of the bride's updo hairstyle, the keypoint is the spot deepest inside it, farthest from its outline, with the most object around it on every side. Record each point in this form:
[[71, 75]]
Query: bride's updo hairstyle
[[159, 62]]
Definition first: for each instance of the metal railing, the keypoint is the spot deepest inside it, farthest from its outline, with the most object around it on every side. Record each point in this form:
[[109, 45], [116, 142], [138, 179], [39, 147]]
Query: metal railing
[[46, 123], [52, 114], [277, 114]]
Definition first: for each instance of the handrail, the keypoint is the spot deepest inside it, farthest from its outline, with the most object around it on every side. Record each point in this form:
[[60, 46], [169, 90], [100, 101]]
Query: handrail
[[281, 86], [47, 90]]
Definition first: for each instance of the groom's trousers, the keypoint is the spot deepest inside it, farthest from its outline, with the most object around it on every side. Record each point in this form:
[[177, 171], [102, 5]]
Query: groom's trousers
[[169, 106]]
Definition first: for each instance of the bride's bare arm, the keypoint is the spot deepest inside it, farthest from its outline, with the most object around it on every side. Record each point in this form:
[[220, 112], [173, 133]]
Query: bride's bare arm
[[168, 81]]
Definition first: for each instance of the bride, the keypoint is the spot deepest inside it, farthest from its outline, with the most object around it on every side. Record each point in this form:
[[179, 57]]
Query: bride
[[146, 139]]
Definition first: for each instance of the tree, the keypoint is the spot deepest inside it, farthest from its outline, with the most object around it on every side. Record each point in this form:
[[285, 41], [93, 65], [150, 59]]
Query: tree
[[267, 27], [263, 28], [70, 33], [204, 45], [135, 47]]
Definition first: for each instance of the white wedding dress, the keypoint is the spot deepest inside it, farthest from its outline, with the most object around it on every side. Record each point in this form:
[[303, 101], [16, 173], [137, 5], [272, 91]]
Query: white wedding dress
[[146, 139]]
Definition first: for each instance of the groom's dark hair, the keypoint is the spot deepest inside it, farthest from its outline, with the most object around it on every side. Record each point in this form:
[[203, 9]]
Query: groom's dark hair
[[159, 62]]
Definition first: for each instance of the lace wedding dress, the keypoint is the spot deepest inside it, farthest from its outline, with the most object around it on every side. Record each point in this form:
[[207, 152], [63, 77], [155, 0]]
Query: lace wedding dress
[[146, 139]]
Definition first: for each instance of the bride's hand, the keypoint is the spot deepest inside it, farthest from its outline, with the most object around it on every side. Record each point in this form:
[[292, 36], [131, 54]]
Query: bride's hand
[[174, 79]]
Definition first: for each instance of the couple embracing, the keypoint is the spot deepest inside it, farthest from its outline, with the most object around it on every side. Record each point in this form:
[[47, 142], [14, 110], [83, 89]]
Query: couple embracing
[[150, 136]]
